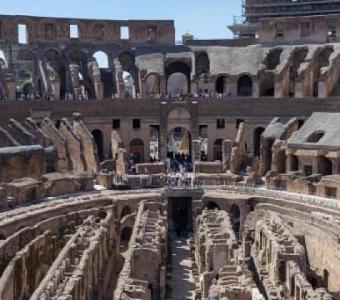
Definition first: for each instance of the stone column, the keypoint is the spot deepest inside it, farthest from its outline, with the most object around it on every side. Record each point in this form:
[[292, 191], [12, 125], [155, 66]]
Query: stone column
[[227, 146], [256, 89], [196, 150]]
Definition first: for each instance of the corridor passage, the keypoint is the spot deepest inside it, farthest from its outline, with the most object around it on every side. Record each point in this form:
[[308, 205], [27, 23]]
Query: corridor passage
[[182, 282]]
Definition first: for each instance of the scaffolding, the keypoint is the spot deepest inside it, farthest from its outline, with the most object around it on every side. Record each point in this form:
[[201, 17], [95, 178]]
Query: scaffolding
[[254, 10]]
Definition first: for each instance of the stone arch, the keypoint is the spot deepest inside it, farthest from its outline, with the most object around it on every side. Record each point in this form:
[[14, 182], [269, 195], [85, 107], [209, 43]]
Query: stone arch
[[221, 84], [137, 150], [179, 147], [245, 86], [175, 73], [128, 64], [218, 149], [56, 70], [25, 85], [125, 211], [99, 139], [211, 205], [257, 141], [203, 83], [322, 60], [106, 75], [102, 59], [298, 57], [202, 63], [326, 166], [179, 117], [152, 84]]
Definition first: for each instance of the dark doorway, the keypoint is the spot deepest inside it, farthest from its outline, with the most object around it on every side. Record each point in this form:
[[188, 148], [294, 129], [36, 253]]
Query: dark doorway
[[180, 215], [235, 219], [98, 137]]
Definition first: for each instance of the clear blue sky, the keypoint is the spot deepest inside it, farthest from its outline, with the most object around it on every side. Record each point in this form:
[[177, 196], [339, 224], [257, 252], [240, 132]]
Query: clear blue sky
[[204, 18]]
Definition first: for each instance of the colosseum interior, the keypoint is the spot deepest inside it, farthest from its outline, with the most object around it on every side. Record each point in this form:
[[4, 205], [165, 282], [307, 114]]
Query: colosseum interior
[[135, 168]]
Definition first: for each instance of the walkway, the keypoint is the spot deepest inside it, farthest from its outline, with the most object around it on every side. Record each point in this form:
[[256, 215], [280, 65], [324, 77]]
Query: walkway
[[182, 282]]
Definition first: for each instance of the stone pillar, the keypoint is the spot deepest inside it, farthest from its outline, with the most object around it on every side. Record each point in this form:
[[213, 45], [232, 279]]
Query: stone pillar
[[256, 89], [143, 88], [194, 88], [55, 86], [99, 90], [196, 150], [227, 146], [11, 87]]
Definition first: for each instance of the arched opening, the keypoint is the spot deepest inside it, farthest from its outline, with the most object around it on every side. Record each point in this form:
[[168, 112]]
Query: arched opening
[[137, 151], [273, 59], [125, 212], [106, 75], [202, 65], [267, 86], [56, 71], [130, 74], [153, 85], [321, 61], [98, 138], [154, 143], [245, 86], [203, 84], [325, 278], [257, 141], [282, 271], [177, 84], [326, 166], [235, 219], [221, 83], [218, 149], [129, 85], [179, 149], [178, 78], [212, 205], [87, 91], [25, 87], [125, 238], [298, 57], [294, 163], [102, 59]]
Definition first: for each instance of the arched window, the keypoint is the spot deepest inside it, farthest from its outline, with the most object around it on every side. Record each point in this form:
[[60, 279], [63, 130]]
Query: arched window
[[178, 78], [102, 59], [245, 86]]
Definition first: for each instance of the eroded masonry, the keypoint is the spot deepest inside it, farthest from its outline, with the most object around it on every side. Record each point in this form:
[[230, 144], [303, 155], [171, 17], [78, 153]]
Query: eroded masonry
[[135, 168]]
